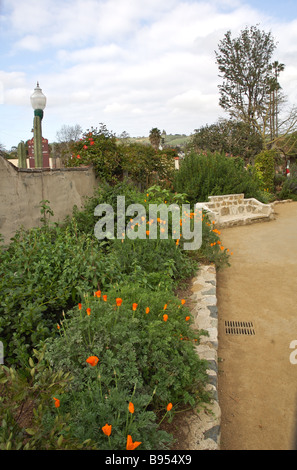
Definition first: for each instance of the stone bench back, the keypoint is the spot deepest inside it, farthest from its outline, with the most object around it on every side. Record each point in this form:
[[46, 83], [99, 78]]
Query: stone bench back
[[230, 209]]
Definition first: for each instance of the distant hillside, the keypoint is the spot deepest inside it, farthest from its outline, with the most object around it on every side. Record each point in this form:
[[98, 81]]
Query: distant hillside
[[171, 140]]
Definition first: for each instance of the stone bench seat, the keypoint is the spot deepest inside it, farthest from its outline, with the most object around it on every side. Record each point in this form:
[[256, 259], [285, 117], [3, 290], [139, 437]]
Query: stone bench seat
[[233, 209]]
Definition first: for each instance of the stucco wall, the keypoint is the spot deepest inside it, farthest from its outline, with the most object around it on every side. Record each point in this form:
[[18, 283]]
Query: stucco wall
[[21, 191]]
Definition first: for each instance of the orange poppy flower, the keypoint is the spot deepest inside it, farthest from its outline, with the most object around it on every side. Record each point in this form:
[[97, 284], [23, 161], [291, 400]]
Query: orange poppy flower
[[79, 306], [131, 407], [119, 301], [98, 293], [89, 311], [183, 301], [57, 402], [188, 318], [107, 429], [147, 310], [130, 444], [165, 306], [92, 360], [134, 307], [104, 297], [165, 317], [169, 406]]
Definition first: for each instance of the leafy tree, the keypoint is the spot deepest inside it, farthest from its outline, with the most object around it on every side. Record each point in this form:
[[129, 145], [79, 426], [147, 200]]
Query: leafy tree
[[244, 64], [228, 136], [155, 137]]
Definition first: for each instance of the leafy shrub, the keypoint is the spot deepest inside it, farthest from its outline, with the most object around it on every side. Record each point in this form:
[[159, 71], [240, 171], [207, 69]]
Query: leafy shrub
[[142, 163], [42, 273], [201, 176], [264, 169], [31, 390], [289, 187], [145, 358]]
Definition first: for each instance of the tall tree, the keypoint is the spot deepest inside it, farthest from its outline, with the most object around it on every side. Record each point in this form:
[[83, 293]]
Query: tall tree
[[155, 137], [244, 64]]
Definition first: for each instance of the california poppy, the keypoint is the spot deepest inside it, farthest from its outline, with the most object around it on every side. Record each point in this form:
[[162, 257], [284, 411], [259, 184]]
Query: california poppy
[[165, 306], [89, 311], [104, 297], [131, 407], [92, 360], [119, 301], [134, 307], [107, 429], [130, 444], [57, 402], [183, 301], [169, 406], [147, 310], [165, 317], [79, 306], [187, 318], [98, 293]]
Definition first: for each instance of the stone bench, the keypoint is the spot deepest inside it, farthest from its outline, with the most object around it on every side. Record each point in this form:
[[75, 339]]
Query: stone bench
[[234, 209]]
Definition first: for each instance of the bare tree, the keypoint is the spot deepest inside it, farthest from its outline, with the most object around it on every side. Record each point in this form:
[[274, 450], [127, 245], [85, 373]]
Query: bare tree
[[69, 133]]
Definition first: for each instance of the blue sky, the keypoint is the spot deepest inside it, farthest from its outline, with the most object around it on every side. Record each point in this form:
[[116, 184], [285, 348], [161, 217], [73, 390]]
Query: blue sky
[[129, 64]]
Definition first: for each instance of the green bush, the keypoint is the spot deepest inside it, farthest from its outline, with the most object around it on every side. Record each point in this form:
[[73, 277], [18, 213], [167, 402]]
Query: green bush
[[264, 169], [112, 161], [203, 175], [143, 359]]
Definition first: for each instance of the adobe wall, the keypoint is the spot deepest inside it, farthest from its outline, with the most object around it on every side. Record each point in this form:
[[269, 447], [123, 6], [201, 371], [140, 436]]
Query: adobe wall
[[21, 191]]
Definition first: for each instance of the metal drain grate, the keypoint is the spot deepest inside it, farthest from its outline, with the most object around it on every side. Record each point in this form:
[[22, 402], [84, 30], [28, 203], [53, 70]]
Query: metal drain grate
[[239, 328]]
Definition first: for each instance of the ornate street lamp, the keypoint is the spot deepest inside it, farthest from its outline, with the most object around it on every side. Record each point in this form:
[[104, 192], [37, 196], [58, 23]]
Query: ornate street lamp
[[38, 101]]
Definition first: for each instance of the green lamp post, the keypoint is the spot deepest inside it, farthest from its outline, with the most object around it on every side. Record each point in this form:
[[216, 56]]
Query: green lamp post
[[38, 102]]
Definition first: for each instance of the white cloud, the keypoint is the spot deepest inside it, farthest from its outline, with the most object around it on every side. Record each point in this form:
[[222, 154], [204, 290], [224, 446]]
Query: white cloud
[[128, 62]]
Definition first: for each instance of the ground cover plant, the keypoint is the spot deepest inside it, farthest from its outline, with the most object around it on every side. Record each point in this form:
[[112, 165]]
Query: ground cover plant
[[97, 345]]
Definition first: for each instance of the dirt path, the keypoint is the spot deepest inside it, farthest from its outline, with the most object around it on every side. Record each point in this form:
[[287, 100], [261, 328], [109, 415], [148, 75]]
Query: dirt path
[[257, 381]]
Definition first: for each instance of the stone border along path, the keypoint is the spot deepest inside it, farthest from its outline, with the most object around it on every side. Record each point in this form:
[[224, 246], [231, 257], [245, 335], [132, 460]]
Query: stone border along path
[[204, 426]]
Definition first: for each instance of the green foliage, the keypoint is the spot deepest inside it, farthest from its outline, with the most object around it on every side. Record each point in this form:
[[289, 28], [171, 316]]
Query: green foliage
[[264, 169], [45, 273], [42, 273], [244, 63], [32, 389], [228, 136], [155, 137], [142, 359], [289, 186], [203, 175], [141, 163]]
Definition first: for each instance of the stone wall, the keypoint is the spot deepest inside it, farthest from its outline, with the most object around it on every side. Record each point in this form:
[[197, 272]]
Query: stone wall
[[22, 190]]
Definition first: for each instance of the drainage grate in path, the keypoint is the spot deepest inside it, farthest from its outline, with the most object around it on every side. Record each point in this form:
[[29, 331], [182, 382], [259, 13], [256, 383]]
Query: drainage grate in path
[[239, 328]]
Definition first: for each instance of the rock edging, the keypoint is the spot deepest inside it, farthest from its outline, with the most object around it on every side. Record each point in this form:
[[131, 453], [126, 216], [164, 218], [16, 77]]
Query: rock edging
[[204, 425]]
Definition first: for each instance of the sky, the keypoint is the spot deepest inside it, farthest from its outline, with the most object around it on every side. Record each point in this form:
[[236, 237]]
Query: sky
[[129, 64]]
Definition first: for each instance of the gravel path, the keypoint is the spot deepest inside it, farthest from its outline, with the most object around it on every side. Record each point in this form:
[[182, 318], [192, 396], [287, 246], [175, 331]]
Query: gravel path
[[257, 381]]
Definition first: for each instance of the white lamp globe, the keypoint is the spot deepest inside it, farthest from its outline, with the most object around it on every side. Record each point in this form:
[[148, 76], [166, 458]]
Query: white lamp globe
[[38, 100]]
